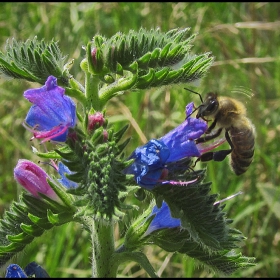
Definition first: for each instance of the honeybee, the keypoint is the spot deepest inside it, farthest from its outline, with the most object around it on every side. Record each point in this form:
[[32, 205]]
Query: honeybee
[[228, 114]]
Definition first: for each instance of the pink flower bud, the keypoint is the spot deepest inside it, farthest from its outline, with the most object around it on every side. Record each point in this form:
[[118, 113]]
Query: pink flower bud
[[96, 120], [93, 55], [33, 179]]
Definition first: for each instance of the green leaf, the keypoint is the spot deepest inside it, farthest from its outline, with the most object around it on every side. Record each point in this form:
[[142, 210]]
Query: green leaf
[[224, 261], [25, 220], [143, 61], [40, 222], [135, 236], [32, 230], [139, 257], [146, 80], [271, 196], [154, 57], [192, 203], [123, 145], [164, 52], [174, 75], [161, 75], [119, 134], [174, 55], [22, 238], [51, 154], [11, 248], [60, 218]]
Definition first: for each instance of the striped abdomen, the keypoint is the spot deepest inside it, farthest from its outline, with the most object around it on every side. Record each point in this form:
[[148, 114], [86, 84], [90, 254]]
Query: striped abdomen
[[243, 141]]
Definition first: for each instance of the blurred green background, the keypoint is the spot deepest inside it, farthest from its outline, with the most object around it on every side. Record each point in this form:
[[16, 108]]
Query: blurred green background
[[245, 40]]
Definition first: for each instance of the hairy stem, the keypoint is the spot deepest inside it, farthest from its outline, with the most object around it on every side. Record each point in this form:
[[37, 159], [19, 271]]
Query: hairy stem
[[102, 249], [91, 89]]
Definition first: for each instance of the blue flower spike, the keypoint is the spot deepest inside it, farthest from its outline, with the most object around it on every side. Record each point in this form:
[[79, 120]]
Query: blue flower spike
[[52, 114], [153, 159]]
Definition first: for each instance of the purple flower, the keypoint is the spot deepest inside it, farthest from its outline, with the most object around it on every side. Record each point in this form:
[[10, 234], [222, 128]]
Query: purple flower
[[62, 169], [15, 271], [162, 219], [152, 159], [52, 114], [33, 179]]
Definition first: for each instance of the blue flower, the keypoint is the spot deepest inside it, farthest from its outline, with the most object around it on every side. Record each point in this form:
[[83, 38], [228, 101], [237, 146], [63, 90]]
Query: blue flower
[[181, 140], [149, 163], [152, 159], [62, 169], [162, 219], [33, 269], [52, 114], [15, 271]]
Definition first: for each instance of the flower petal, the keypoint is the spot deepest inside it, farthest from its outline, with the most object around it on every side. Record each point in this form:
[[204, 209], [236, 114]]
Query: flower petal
[[62, 169], [15, 271], [162, 219], [181, 140], [149, 163]]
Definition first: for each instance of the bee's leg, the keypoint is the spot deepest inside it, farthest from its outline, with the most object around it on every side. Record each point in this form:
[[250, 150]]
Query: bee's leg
[[209, 137], [216, 156], [211, 127]]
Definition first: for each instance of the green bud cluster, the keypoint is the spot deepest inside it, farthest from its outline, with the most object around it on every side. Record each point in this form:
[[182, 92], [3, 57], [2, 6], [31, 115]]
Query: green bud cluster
[[98, 170], [148, 48], [156, 58], [33, 61]]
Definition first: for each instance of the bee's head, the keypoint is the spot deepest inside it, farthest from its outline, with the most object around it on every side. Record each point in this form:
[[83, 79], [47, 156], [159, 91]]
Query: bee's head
[[209, 106]]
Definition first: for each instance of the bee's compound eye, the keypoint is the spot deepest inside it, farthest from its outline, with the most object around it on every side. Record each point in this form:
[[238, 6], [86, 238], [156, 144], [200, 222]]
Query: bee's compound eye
[[212, 106]]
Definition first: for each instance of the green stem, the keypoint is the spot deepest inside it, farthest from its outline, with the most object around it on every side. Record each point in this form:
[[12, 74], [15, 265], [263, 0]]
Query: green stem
[[91, 91], [119, 86], [102, 249]]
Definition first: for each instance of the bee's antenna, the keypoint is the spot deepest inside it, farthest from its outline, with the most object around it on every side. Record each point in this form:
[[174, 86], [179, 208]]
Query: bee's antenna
[[200, 100], [195, 93], [192, 112]]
